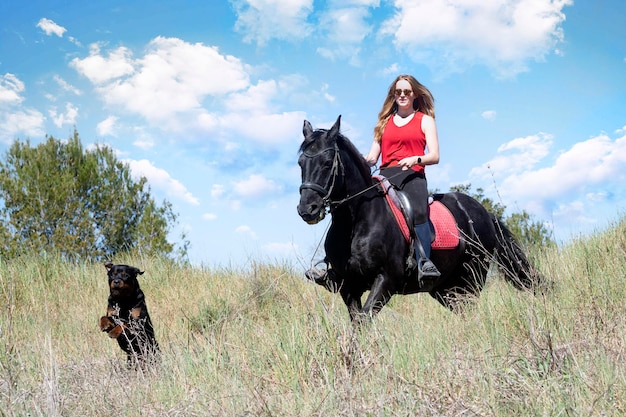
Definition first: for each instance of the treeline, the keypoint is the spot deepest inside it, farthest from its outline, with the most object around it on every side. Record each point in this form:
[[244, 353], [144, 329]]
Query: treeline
[[79, 203], [84, 204], [530, 232]]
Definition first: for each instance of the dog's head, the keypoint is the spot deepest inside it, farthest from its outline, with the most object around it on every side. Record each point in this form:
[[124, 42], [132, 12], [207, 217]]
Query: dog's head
[[123, 281]]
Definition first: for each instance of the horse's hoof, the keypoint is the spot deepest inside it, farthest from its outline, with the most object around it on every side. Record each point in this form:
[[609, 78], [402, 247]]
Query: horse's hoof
[[315, 275], [323, 278]]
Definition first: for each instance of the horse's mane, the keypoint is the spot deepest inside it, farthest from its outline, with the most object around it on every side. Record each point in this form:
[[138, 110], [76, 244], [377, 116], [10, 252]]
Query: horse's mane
[[343, 144], [346, 145]]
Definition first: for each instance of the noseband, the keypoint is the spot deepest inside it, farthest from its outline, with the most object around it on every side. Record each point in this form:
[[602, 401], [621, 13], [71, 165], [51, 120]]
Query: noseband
[[327, 190]]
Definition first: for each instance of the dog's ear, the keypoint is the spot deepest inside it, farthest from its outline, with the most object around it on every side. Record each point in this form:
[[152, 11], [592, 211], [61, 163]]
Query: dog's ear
[[108, 265], [137, 271]]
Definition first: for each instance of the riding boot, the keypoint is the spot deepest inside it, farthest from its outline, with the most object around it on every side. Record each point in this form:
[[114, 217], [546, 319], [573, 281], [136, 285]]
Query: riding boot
[[425, 267], [325, 277]]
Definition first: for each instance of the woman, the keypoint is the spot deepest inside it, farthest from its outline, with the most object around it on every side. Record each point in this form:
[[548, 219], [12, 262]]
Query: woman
[[406, 127]]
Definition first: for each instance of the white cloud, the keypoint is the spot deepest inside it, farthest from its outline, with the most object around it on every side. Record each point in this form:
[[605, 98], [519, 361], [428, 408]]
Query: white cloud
[[586, 164], [488, 115], [265, 128], [255, 186], [15, 119], [173, 77], [281, 249], [503, 35], [597, 197], [144, 144], [246, 230], [99, 69], [11, 88], [26, 121], [161, 179], [74, 41], [255, 99], [520, 154], [581, 176], [345, 29], [329, 97], [67, 118], [51, 28], [195, 91], [263, 20], [66, 86], [107, 126], [333, 4], [574, 212], [209, 216]]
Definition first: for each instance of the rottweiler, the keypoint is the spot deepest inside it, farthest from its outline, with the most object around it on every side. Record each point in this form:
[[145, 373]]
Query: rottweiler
[[127, 319]]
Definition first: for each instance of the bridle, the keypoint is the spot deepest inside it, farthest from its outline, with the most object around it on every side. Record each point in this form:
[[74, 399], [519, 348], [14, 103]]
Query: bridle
[[326, 191], [336, 170]]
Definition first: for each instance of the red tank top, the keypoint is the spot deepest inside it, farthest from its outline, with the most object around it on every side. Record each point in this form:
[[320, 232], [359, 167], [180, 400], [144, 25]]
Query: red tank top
[[400, 142]]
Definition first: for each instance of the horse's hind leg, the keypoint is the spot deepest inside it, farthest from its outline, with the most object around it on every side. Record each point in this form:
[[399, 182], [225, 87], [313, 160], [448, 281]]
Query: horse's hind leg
[[454, 299], [465, 289]]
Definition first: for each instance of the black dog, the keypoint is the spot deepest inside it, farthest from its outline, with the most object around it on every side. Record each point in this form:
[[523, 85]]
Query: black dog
[[127, 318]]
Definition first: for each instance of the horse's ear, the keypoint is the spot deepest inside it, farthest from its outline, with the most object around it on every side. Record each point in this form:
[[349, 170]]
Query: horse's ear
[[307, 130], [335, 129]]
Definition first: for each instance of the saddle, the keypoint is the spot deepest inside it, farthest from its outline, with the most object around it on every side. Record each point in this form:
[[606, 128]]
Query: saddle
[[443, 226]]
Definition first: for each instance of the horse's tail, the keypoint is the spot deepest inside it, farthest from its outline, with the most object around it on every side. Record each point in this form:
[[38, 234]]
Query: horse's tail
[[513, 262]]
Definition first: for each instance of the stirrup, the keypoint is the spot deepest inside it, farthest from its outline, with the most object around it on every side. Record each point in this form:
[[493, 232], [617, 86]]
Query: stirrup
[[427, 269]]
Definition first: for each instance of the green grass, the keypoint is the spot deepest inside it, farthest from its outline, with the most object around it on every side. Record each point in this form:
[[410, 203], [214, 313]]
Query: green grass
[[261, 341]]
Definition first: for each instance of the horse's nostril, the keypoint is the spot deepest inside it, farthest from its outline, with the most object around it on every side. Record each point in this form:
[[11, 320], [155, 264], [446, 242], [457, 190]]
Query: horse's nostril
[[308, 211]]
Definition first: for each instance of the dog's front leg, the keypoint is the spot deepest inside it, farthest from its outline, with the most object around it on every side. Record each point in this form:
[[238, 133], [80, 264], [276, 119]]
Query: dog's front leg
[[107, 324]]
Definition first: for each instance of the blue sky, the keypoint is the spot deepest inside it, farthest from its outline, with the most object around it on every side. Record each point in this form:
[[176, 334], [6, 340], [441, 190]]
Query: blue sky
[[207, 100]]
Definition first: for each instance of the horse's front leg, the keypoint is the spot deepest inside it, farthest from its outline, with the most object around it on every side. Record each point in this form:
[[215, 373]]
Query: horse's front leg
[[378, 297], [352, 301]]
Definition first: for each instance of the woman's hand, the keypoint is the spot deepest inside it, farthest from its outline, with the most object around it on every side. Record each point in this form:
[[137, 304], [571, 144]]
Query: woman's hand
[[408, 162]]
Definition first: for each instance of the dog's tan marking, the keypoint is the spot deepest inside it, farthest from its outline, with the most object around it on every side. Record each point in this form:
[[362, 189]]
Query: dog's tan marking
[[116, 332], [106, 324], [135, 313]]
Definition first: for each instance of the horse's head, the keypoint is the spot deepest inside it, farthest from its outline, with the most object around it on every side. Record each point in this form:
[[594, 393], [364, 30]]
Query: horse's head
[[321, 171]]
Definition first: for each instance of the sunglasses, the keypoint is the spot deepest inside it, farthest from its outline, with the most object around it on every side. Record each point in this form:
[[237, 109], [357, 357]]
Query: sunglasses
[[406, 92]]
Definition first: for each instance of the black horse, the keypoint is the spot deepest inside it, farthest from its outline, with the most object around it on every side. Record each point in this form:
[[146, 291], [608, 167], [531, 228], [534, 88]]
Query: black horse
[[365, 247]]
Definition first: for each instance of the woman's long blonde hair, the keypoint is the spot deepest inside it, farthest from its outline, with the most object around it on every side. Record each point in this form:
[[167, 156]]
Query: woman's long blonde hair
[[423, 101]]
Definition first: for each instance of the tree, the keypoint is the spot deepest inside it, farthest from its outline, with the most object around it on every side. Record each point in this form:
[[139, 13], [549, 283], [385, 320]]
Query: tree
[[529, 232], [83, 204], [492, 207]]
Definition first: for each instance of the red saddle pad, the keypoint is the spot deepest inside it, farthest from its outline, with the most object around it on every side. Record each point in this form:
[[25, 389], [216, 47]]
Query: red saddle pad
[[446, 230]]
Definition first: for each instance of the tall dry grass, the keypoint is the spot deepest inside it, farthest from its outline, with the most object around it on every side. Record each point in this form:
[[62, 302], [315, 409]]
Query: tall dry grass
[[260, 341]]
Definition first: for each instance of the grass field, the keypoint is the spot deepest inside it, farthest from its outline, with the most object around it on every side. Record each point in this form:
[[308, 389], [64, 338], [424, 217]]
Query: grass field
[[261, 341]]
